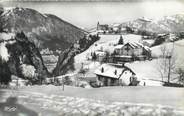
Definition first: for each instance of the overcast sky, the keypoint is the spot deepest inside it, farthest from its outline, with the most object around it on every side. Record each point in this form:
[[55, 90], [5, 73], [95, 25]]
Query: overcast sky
[[87, 14]]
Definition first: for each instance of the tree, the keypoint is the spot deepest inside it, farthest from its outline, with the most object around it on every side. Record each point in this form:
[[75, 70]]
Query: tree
[[94, 56], [159, 40], [180, 73], [106, 57], [166, 64], [129, 29], [121, 41], [5, 73]]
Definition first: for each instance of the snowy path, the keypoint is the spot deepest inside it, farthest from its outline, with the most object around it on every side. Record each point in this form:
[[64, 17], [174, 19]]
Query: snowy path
[[56, 105]]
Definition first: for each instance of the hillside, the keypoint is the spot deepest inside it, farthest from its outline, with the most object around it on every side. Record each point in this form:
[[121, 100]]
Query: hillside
[[105, 43], [45, 30]]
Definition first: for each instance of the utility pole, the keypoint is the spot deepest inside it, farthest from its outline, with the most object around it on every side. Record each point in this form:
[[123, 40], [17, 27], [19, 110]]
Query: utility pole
[[169, 73]]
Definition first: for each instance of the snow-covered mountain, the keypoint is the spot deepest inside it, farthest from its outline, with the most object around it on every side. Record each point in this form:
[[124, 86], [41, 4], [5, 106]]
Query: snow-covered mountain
[[174, 23]]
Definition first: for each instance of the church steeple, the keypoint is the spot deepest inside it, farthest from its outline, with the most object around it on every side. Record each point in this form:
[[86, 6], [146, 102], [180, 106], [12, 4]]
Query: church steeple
[[98, 24]]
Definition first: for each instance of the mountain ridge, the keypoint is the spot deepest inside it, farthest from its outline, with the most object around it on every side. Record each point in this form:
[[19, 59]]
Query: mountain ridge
[[45, 30], [166, 24]]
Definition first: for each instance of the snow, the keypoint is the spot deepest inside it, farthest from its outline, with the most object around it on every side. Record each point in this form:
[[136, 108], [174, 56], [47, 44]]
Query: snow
[[4, 37], [28, 70], [7, 36], [150, 69], [150, 83], [109, 71], [177, 51], [4, 52], [118, 46], [66, 105], [8, 10], [145, 69], [106, 43]]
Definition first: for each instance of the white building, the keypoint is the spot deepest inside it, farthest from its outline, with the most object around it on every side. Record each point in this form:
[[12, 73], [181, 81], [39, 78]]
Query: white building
[[113, 75]]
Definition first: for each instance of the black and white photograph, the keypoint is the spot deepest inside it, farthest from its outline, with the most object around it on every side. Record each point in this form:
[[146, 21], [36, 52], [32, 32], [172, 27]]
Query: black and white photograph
[[91, 57]]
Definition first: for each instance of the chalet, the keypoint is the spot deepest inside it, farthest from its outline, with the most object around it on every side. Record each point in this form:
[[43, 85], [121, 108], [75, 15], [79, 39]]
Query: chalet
[[114, 75], [131, 51]]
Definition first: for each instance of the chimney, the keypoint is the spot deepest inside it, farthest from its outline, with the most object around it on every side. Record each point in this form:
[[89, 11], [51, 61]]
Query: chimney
[[102, 70]]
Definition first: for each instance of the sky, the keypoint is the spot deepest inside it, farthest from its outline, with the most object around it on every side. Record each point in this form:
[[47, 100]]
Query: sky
[[87, 14]]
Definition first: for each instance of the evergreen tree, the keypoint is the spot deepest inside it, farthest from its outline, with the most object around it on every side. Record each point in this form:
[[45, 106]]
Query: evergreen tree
[[94, 56], [121, 41]]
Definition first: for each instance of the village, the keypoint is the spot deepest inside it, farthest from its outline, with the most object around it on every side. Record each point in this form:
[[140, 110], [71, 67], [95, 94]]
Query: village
[[108, 61], [112, 60]]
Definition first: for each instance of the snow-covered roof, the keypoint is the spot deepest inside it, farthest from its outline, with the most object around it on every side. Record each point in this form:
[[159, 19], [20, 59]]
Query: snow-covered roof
[[133, 45], [147, 48], [66, 75], [123, 56], [116, 24], [118, 46], [109, 71], [145, 19], [162, 34], [100, 53]]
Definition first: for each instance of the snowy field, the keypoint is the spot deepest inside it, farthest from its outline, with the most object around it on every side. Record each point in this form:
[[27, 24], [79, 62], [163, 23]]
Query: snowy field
[[51, 100], [145, 69]]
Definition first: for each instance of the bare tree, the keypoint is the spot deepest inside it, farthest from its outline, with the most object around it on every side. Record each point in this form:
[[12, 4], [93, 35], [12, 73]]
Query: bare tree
[[166, 63]]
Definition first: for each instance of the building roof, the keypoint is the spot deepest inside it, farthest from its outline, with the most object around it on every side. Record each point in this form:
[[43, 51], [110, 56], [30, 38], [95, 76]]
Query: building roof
[[109, 70], [123, 56], [133, 45], [118, 46]]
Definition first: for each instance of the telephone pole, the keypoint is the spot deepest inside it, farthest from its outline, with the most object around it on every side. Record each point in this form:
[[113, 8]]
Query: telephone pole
[[169, 73]]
